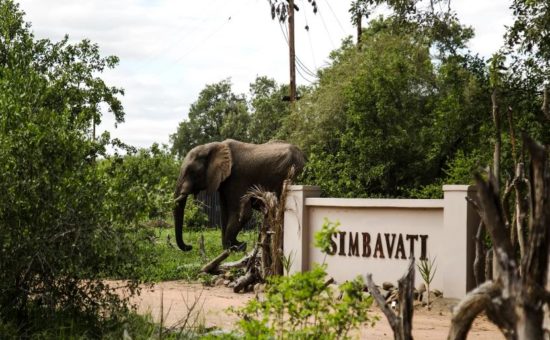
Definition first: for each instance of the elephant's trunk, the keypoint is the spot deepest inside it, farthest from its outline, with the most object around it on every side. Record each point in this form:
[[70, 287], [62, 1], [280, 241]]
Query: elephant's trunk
[[178, 222]]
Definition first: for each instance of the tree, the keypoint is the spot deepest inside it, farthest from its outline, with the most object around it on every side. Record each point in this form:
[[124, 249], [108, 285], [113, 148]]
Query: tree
[[387, 118], [217, 114], [268, 110], [528, 52], [56, 235]]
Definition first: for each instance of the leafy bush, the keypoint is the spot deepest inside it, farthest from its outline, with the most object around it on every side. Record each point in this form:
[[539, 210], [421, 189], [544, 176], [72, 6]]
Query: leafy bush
[[57, 236], [141, 184], [302, 306], [195, 218]]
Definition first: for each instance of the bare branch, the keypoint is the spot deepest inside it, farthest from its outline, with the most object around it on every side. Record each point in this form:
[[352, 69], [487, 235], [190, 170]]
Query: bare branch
[[469, 308]]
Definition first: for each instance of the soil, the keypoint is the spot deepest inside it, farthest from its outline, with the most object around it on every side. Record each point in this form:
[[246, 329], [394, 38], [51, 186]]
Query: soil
[[180, 301]]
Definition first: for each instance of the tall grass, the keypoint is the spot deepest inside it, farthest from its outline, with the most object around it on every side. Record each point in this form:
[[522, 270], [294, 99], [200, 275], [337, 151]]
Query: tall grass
[[170, 263]]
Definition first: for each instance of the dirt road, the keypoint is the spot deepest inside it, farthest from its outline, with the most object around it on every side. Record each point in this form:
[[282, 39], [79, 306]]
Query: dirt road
[[209, 306]]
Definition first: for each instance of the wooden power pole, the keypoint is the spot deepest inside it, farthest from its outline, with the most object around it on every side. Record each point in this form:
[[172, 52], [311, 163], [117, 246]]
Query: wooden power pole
[[292, 51]]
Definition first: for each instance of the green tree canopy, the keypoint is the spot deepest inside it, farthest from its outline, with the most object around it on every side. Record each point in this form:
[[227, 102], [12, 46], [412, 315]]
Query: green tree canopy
[[387, 118], [217, 114], [267, 109], [57, 237]]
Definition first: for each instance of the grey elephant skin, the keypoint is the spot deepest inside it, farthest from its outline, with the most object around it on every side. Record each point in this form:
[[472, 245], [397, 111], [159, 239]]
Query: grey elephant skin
[[232, 168]]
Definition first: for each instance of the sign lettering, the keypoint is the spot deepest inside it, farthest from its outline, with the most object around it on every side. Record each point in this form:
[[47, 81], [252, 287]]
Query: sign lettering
[[388, 245]]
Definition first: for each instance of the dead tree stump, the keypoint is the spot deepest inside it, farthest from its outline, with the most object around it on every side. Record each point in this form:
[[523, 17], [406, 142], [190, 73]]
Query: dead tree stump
[[401, 323], [516, 299]]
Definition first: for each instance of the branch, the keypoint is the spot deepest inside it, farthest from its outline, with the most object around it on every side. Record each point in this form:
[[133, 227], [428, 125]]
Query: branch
[[390, 315], [469, 308], [401, 324], [492, 216], [213, 265], [534, 264]]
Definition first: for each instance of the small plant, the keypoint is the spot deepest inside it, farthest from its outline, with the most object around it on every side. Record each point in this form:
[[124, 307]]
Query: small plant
[[427, 270], [323, 238], [287, 262], [303, 306]]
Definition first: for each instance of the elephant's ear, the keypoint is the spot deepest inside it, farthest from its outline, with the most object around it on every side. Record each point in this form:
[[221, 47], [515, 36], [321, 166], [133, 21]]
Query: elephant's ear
[[219, 165]]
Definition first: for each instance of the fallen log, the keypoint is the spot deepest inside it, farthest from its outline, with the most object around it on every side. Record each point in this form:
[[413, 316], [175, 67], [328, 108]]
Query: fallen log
[[246, 280], [213, 266], [242, 263]]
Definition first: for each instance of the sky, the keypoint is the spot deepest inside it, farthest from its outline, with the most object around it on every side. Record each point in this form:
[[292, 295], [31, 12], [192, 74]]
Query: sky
[[170, 49]]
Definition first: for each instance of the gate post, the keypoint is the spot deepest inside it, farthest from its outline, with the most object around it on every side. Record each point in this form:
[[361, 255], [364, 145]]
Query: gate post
[[460, 221], [296, 241]]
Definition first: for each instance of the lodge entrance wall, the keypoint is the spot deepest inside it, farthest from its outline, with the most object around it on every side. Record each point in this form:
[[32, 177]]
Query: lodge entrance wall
[[379, 235]]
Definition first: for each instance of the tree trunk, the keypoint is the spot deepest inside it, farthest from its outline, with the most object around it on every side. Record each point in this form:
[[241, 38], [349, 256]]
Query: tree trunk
[[479, 261], [518, 306], [469, 308], [401, 324]]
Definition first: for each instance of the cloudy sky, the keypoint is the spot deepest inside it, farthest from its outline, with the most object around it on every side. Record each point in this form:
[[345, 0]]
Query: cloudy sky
[[170, 49]]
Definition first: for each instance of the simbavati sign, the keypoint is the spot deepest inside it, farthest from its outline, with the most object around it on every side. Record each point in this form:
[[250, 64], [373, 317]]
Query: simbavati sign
[[378, 236]]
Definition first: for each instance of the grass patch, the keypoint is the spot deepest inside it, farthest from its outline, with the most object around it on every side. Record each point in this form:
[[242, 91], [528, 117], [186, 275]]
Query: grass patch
[[170, 263]]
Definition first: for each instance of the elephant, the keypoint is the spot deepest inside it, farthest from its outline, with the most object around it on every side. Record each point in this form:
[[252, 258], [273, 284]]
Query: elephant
[[232, 168]]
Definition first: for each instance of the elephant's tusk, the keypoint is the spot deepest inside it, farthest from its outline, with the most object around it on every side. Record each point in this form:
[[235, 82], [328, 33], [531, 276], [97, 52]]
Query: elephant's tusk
[[180, 197]]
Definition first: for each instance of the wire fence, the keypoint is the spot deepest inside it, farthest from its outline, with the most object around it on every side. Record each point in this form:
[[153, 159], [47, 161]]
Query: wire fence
[[210, 203]]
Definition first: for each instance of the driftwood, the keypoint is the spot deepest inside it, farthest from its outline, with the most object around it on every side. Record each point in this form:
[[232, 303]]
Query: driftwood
[[401, 323], [469, 308], [479, 261], [241, 263], [266, 258], [212, 266], [246, 280], [515, 301]]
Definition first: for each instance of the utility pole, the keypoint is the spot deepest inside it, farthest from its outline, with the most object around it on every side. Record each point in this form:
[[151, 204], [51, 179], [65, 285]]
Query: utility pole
[[292, 51]]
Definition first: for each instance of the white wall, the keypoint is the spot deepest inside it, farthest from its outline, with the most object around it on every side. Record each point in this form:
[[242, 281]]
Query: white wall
[[441, 229]]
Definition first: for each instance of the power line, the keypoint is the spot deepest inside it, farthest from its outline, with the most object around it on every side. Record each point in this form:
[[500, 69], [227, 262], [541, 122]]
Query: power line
[[298, 60], [326, 29], [205, 39], [337, 20], [181, 37], [309, 39], [200, 43], [305, 68], [303, 77]]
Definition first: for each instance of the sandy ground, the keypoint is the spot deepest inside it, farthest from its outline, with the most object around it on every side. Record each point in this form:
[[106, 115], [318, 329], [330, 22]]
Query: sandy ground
[[209, 306]]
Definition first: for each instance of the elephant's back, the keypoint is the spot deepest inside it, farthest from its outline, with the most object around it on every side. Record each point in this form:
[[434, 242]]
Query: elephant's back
[[266, 164]]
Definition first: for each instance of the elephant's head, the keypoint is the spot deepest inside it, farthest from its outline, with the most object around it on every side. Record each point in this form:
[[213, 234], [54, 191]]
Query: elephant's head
[[205, 167]]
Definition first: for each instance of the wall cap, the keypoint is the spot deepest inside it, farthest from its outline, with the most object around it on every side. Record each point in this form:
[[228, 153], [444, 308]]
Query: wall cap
[[304, 188], [376, 203], [458, 187]]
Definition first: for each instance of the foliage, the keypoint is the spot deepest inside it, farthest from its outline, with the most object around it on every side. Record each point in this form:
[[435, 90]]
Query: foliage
[[56, 235], [427, 270], [268, 110], [387, 117], [217, 114], [323, 238], [167, 262], [531, 29], [302, 306], [140, 184]]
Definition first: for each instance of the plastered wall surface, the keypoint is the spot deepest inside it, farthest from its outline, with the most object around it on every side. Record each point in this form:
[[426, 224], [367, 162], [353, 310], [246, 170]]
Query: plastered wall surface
[[378, 236]]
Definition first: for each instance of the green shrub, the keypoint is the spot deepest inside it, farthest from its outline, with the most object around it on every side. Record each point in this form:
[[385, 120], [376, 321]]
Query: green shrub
[[141, 184], [57, 235], [195, 218], [302, 306]]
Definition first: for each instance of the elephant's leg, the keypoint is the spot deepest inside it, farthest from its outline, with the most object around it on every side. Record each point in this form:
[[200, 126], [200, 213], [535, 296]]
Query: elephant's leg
[[224, 218], [235, 224]]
